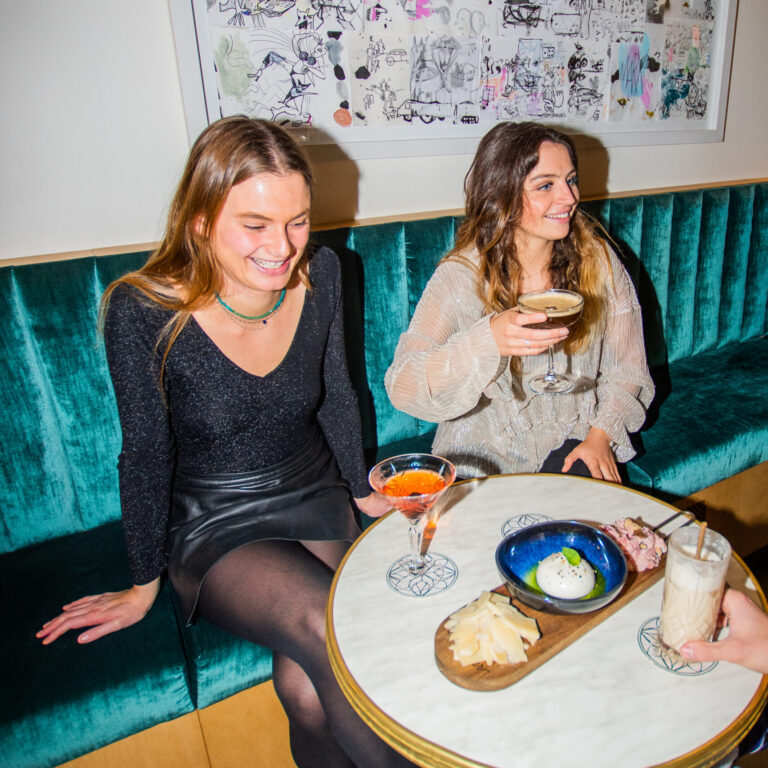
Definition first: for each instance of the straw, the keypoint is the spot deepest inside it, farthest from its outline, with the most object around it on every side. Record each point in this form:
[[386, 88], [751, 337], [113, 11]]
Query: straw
[[702, 532]]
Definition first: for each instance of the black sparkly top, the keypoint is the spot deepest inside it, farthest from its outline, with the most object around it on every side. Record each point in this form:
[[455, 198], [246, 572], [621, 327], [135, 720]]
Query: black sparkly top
[[217, 417]]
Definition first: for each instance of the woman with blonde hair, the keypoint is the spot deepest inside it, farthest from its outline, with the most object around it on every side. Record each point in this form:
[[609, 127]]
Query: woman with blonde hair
[[241, 435], [469, 354]]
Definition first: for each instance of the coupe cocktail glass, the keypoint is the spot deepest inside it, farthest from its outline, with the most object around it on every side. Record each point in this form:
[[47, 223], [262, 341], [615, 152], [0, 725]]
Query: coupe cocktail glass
[[563, 308], [413, 482]]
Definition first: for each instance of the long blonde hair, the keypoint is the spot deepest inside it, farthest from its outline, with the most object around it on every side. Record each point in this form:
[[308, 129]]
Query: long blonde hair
[[494, 203], [226, 153]]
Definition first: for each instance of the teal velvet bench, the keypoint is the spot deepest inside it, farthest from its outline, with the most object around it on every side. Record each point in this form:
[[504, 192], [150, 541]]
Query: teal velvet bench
[[698, 259]]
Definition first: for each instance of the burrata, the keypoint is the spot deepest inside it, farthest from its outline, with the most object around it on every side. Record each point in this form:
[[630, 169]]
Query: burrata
[[559, 578]]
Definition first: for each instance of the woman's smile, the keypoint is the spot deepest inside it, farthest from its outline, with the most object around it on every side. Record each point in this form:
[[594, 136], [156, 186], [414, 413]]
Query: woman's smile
[[271, 266]]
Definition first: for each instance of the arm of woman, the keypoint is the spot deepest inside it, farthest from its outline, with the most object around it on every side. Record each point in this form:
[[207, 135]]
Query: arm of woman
[[144, 471], [102, 613], [624, 385], [339, 413], [452, 351]]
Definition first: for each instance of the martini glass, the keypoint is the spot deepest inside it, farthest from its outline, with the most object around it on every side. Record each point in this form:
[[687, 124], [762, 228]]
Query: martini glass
[[563, 308], [413, 482]]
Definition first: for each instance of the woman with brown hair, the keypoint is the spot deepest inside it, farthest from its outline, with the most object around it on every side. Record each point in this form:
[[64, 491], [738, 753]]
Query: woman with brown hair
[[468, 354], [241, 436]]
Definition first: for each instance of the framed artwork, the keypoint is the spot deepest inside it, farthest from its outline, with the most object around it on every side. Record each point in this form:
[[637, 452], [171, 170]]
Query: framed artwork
[[388, 78]]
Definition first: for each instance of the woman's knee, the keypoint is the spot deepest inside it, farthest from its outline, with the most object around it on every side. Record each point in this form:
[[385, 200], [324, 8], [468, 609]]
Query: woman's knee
[[313, 625], [300, 701]]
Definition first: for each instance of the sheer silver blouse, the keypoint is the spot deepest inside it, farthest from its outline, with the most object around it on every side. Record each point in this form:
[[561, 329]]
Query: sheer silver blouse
[[448, 369]]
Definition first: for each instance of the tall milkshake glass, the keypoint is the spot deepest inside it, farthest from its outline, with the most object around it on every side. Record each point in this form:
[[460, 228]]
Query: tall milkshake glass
[[693, 587]]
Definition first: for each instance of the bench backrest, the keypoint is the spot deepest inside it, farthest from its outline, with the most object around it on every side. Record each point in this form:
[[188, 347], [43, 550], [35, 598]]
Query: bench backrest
[[699, 259]]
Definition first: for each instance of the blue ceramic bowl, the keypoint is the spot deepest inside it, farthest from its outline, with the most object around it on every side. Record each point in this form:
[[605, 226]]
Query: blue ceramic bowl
[[519, 554]]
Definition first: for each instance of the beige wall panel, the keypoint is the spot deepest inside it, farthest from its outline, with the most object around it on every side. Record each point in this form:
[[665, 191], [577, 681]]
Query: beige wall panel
[[247, 729], [93, 147], [176, 743]]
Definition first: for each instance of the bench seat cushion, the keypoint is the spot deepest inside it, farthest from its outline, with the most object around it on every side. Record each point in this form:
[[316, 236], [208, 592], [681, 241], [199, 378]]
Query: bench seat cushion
[[60, 701], [220, 664], [709, 420], [416, 444]]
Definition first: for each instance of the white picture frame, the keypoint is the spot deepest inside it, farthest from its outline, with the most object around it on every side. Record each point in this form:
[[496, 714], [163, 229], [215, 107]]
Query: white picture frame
[[200, 96]]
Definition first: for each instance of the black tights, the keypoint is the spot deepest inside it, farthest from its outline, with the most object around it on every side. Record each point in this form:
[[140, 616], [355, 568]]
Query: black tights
[[274, 593], [554, 462]]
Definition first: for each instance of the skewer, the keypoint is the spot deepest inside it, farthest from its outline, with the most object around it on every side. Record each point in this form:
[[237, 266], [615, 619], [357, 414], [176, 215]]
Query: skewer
[[685, 513], [702, 531]]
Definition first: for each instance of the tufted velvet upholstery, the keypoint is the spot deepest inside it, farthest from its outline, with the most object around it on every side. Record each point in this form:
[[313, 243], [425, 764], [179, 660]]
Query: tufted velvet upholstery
[[60, 701], [698, 261], [697, 258]]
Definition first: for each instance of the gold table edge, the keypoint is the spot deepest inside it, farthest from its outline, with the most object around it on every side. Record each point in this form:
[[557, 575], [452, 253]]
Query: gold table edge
[[430, 755]]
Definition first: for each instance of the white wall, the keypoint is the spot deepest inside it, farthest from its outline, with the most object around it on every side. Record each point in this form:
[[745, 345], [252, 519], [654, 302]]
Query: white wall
[[93, 136]]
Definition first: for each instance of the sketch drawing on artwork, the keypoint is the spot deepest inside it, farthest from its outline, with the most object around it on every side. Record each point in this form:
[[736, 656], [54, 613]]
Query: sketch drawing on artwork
[[636, 77], [539, 78], [365, 63], [338, 14], [496, 66], [521, 13], [388, 100], [288, 68], [255, 11], [471, 21], [587, 84], [380, 67], [686, 70], [444, 78]]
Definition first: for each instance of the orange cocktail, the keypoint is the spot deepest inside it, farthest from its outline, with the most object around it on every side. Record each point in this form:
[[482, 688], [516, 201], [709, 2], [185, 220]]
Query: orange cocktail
[[414, 489], [413, 482]]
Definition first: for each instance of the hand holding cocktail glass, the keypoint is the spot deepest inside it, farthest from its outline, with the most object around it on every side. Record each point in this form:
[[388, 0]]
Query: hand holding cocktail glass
[[694, 578], [747, 641], [563, 308]]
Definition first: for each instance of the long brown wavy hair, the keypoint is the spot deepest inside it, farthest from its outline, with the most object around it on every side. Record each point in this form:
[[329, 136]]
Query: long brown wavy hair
[[183, 274], [494, 204]]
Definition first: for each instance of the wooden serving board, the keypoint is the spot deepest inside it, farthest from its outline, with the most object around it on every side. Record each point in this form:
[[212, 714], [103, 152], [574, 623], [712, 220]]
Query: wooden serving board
[[557, 632]]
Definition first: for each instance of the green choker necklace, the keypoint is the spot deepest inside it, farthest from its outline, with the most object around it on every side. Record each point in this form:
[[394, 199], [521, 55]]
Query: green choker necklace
[[248, 319]]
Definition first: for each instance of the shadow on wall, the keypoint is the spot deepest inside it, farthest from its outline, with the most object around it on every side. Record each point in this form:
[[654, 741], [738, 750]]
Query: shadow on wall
[[594, 163], [337, 175], [335, 196]]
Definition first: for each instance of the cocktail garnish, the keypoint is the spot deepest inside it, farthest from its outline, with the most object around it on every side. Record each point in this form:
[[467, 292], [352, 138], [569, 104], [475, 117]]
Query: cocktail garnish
[[571, 555]]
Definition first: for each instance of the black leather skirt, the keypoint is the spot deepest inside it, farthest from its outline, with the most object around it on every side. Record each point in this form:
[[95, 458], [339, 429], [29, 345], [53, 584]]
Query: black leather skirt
[[301, 498]]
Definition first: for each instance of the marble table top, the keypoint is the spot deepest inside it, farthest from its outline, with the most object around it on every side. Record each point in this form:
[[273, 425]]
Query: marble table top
[[601, 702]]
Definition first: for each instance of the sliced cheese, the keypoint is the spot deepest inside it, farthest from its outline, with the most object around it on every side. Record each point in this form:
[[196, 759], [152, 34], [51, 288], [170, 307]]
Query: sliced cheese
[[491, 631]]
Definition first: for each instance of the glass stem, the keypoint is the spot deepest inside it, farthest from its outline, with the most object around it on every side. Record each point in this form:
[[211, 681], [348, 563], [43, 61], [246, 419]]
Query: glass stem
[[551, 375], [416, 533]]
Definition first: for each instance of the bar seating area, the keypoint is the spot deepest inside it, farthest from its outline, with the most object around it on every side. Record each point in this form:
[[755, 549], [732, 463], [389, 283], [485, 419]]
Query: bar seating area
[[697, 258]]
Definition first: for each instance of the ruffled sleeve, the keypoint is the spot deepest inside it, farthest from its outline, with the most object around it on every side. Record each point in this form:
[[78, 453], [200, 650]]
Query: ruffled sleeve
[[448, 355], [624, 386]]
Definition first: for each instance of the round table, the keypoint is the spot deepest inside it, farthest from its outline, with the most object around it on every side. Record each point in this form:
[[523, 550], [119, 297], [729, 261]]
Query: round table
[[600, 702]]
